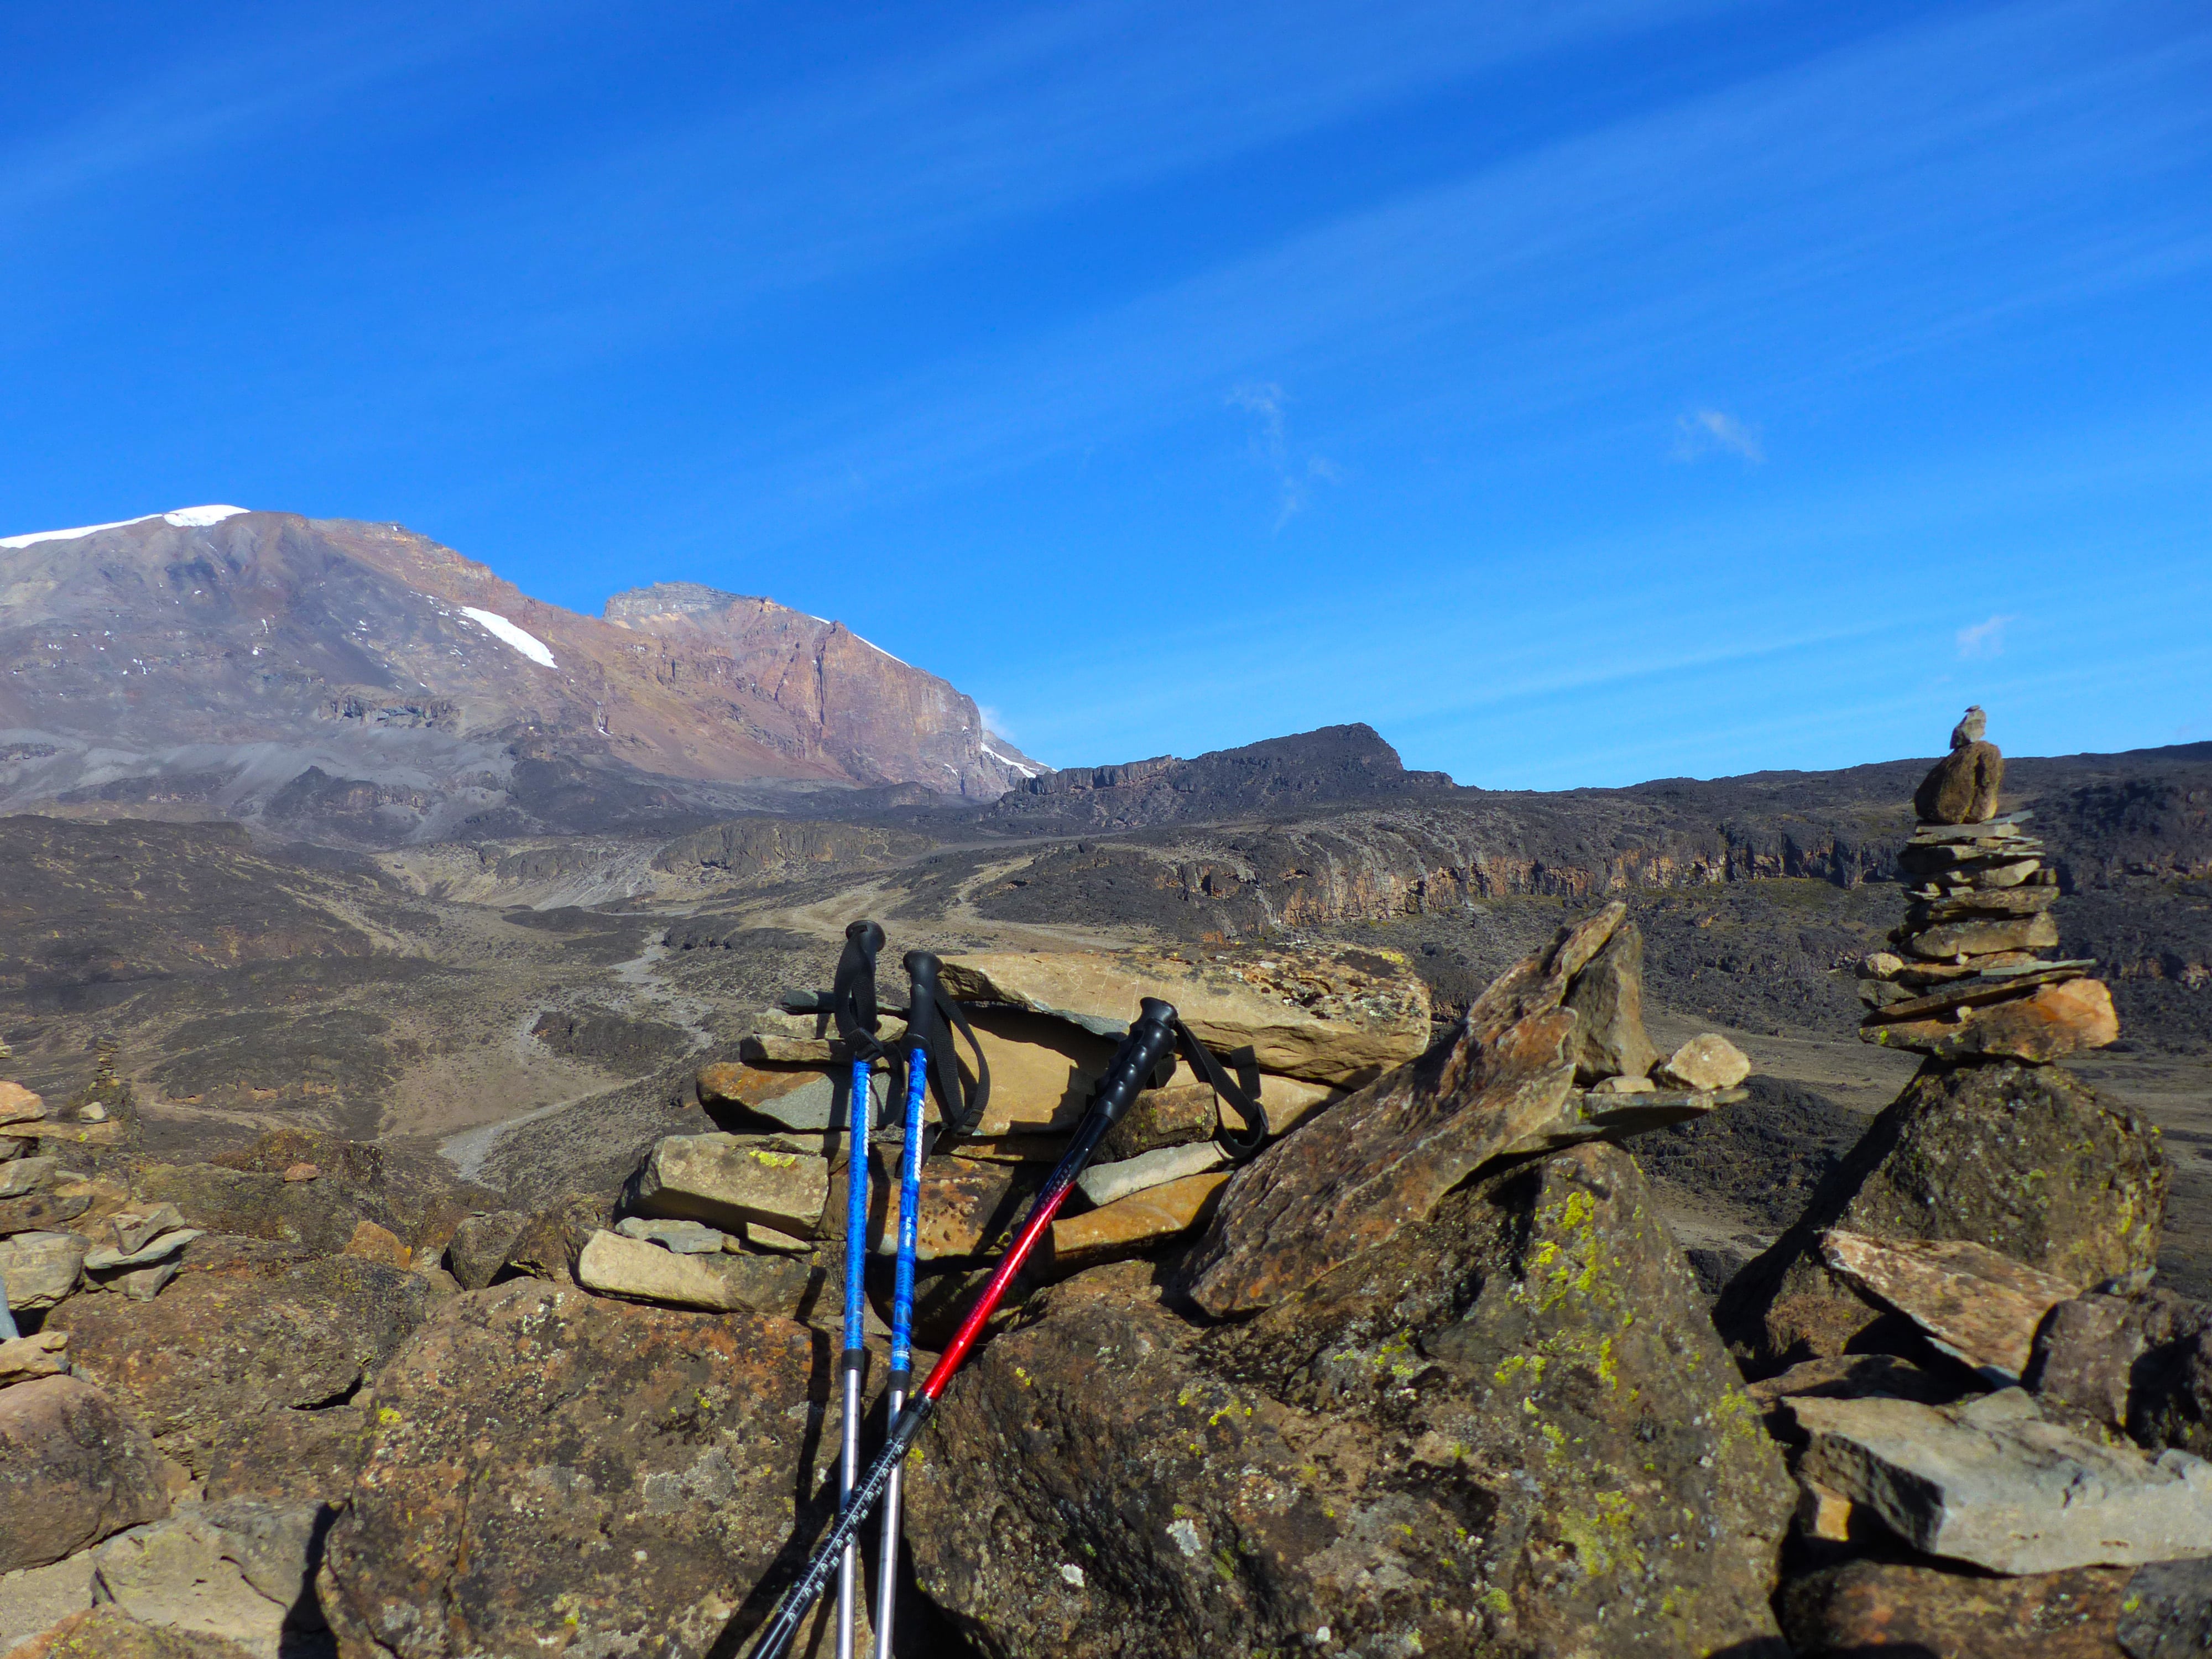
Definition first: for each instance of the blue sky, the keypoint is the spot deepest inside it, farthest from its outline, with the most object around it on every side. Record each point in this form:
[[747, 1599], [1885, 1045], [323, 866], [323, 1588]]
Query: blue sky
[[1579, 392]]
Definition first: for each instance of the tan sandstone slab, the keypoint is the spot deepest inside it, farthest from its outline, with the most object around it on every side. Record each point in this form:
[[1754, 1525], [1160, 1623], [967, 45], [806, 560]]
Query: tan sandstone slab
[[1135, 1223], [804, 1099], [18, 1105], [1304, 1015], [634, 1267], [1975, 1304], [726, 1180]]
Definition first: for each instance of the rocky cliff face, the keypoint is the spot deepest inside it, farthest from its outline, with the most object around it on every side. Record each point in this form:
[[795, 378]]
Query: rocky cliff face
[[1408, 846], [359, 683], [878, 720]]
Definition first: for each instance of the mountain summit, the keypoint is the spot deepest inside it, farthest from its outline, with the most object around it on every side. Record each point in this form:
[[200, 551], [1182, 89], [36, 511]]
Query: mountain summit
[[337, 680]]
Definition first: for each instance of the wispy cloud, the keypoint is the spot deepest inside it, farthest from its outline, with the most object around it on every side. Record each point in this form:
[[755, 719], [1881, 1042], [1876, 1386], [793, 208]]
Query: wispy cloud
[[1702, 432], [1983, 639], [1271, 446]]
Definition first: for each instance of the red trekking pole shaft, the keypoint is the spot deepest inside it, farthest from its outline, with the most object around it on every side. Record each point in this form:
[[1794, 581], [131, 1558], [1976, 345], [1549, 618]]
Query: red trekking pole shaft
[[1151, 1040]]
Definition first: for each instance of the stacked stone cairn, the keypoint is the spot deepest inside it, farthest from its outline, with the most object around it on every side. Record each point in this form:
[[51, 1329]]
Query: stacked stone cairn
[[734, 1218], [1998, 1425], [1966, 978]]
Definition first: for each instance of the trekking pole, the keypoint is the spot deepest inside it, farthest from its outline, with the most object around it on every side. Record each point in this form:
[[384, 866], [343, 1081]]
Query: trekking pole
[[1150, 1041], [853, 1004], [927, 1041]]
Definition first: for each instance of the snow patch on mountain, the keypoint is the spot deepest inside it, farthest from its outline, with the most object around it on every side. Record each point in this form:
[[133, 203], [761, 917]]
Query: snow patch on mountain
[[1008, 759], [528, 644], [184, 518]]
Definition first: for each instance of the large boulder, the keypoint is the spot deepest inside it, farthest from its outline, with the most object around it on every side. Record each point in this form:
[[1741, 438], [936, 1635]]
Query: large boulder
[[1506, 1427], [73, 1469], [2027, 1160], [550, 1471], [245, 1368]]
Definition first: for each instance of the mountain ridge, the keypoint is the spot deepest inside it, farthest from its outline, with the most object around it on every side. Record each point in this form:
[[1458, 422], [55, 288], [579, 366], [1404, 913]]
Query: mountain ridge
[[205, 662]]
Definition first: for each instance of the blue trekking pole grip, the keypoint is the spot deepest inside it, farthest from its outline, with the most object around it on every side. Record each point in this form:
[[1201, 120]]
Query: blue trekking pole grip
[[854, 1003]]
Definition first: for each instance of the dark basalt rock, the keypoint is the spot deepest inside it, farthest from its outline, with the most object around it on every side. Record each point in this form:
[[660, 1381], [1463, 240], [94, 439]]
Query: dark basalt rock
[[245, 1367], [1506, 1428], [2027, 1159], [548, 1470]]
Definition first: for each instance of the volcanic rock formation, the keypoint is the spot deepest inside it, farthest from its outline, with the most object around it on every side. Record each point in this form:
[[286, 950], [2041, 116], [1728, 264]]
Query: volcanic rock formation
[[351, 682]]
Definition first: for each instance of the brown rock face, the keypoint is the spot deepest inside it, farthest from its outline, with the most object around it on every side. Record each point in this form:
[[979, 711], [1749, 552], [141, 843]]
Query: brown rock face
[[1961, 787], [73, 1469], [251, 1363], [1874, 1607], [1505, 1428], [554, 1472], [2024, 1159]]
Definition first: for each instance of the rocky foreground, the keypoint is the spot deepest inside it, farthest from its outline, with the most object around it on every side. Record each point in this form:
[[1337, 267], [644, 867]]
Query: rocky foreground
[[1427, 1377]]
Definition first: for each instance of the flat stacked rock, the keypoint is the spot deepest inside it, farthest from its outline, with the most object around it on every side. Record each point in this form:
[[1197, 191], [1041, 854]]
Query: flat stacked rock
[[1967, 978], [1322, 1025]]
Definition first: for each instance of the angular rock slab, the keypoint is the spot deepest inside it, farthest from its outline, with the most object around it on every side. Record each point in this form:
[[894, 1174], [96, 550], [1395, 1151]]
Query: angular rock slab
[[2167, 1612], [1951, 939], [39, 1270], [1391, 1152], [2027, 1160], [2049, 1024], [1980, 1307], [726, 1180], [73, 1469], [1568, 1468], [551, 1472], [806, 1100], [1304, 1015], [1132, 1226], [28, 1175], [18, 1105], [23, 1358], [1608, 997], [479, 1247], [1990, 1483]]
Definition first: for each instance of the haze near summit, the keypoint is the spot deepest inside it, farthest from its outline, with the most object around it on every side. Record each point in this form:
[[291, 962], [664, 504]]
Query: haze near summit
[[1578, 393]]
